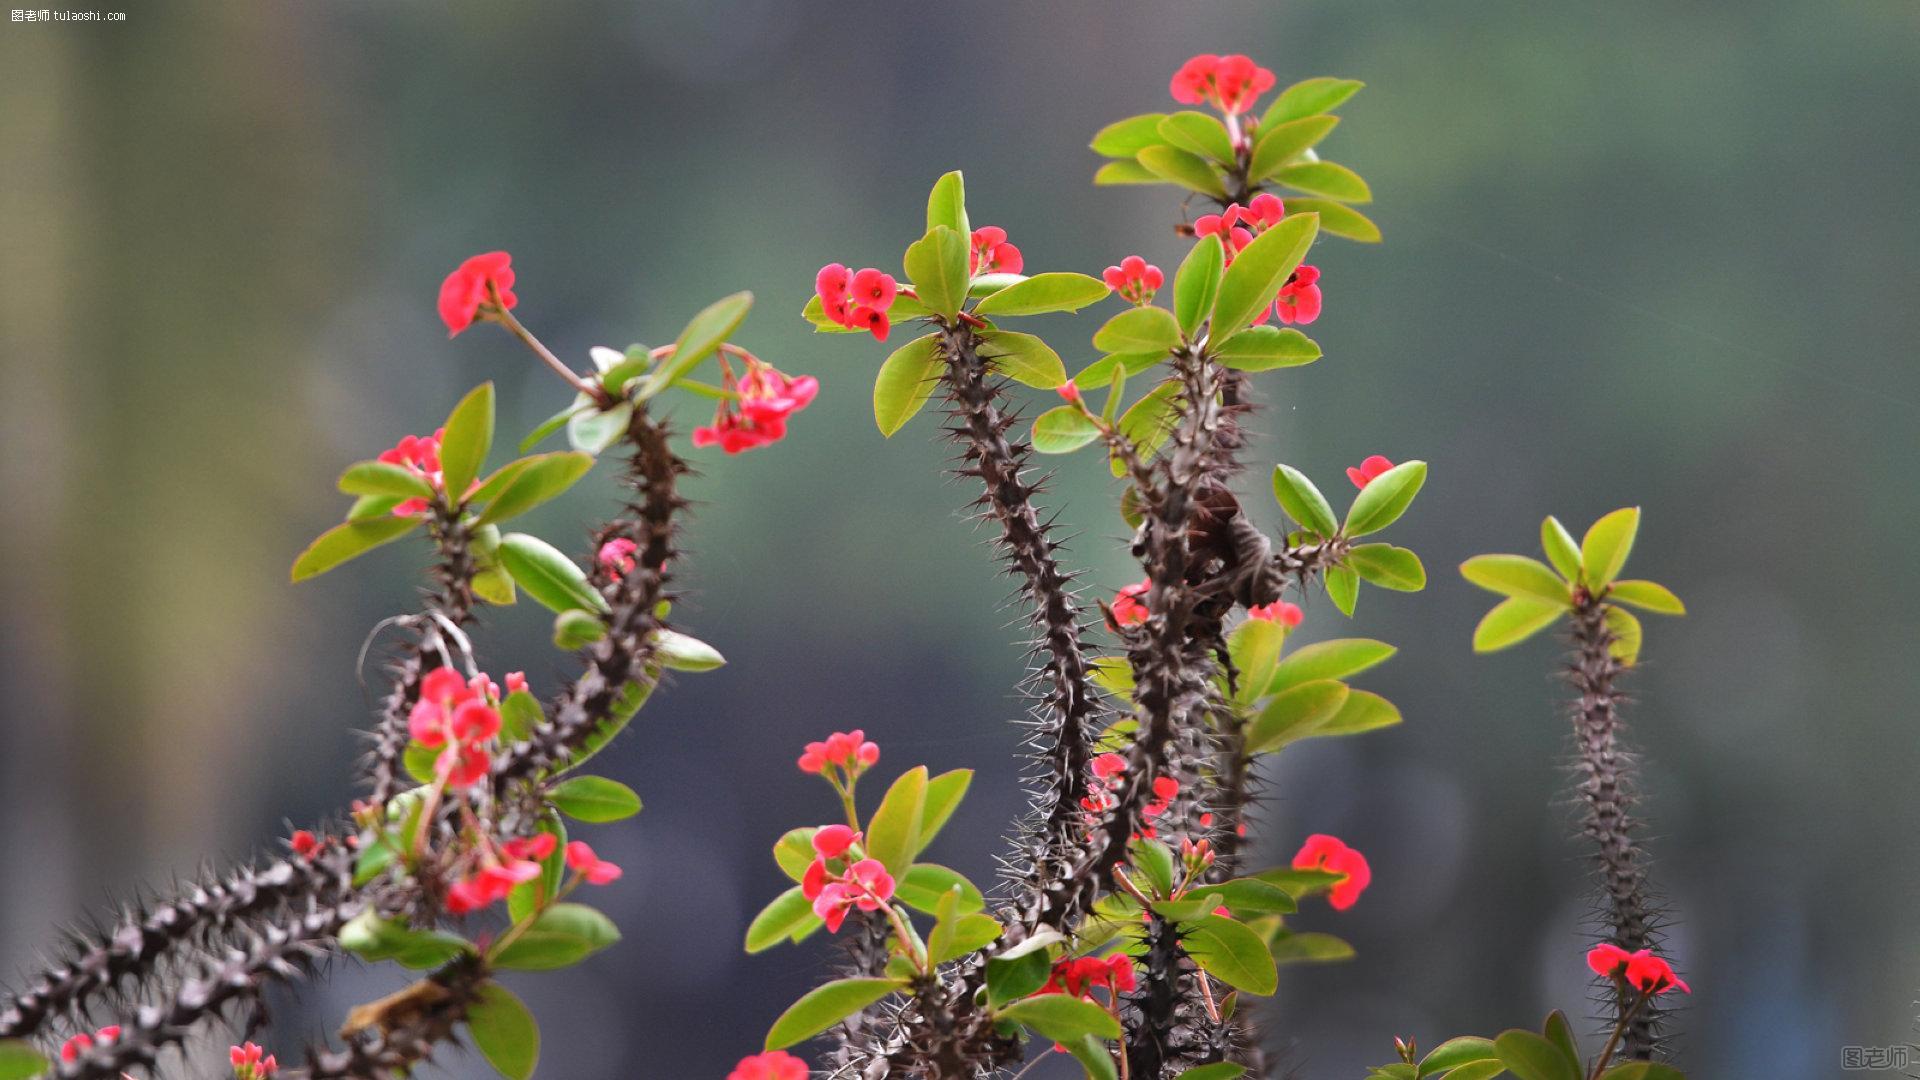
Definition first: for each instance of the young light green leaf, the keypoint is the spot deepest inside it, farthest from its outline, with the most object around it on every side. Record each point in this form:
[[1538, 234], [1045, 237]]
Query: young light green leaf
[[548, 575], [1020, 970], [778, 920], [561, 936], [494, 585], [1517, 575], [1456, 1052], [937, 265], [1512, 621], [466, 440], [1627, 635], [1231, 952], [1258, 271], [922, 886], [1339, 658], [794, 852], [1062, 1018], [825, 1006], [1155, 862], [1063, 429], [1647, 595], [1042, 293], [577, 628], [559, 420], [1100, 372], [1291, 948], [683, 652], [906, 381], [20, 1061], [1148, 422], [384, 478], [1188, 170], [1095, 1058], [1385, 498], [1263, 348], [540, 479], [893, 833], [956, 932], [1200, 134], [1302, 501], [592, 431], [1339, 219], [1023, 358], [1125, 138], [1563, 551], [1604, 550], [504, 1032], [1532, 1057], [1282, 143], [1363, 711], [947, 204], [944, 793], [1327, 179], [520, 713], [1343, 588], [1388, 567], [1255, 647], [370, 507], [1196, 283], [1139, 330], [1308, 98], [594, 799], [350, 540], [702, 335], [1295, 713], [1125, 172]]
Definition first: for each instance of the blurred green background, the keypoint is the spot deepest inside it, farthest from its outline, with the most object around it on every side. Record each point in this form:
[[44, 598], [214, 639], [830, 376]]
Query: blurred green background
[[1653, 253]]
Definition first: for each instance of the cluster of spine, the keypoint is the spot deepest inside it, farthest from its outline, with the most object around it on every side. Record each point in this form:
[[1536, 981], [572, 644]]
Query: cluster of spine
[[1604, 781]]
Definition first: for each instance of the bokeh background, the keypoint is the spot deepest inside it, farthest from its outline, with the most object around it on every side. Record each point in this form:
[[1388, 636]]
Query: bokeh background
[[1643, 252]]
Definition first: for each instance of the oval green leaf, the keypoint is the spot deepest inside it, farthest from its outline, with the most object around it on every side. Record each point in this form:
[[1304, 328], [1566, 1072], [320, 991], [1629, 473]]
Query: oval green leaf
[[1295, 713], [1125, 138], [825, 1006], [561, 936], [1042, 293], [1198, 133], [947, 204], [906, 381], [1307, 98], [466, 440], [594, 799], [1188, 170], [1563, 551], [1604, 550], [779, 920], [1062, 1018], [1196, 283], [1517, 575], [1385, 498], [1302, 501], [1063, 429], [504, 1031], [1139, 330], [1258, 271], [1263, 348], [1282, 143], [1231, 952], [1339, 658], [1328, 179], [1389, 567], [1339, 219], [548, 575], [1648, 596], [937, 265], [384, 478], [543, 477], [702, 335], [348, 541], [1023, 358], [1512, 621], [893, 833], [1532, 1057]]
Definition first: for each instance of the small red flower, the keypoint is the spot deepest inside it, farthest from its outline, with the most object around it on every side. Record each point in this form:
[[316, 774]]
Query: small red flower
[[865, 885], [303, 843], [1264, 211], [992, 253], [516, 682], [421, 457], [1642, 970], [1299, 299], [250, 1062], [1231, 83], [80, 1044], [1280, 611], [1108, 766], [616, 556], [1081, 976], [767, 397], [1330, 853], [1128, 607], [848, 750], [1225, 225], [1369, 471], [593, 868], [462, 766], [832, 841], [772, 1065], [465, 295], [1164, 789], [1069, 392], [535, 847], [1135, 279], [857, 299]]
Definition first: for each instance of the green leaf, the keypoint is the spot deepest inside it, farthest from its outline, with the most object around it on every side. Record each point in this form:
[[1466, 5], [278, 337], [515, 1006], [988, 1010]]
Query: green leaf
[[947, 204], [1125, 172], [1139, 330], [1198, 133], [548, 575], [937, 265], [374, 939], [1231, 952], [1023, 358], [418, 760], [1113, 674], [1190, 171], [1560, 1034], [20, 1061], [528, 895], [904, 308], [1385, 498], [794, 851], [617, 369], [1282, 143], [906, 381], [594, 799], [956, 932], [1196, 283], [1563, 551], [1263, 348], [893, 833], [633, 696], [944, 793], [1125, 138], [1062, 1018], [1148, 422], [922, 886], [561, 936], [1338, 658], [1255, 647], [384, 478], [1648, 596], [778, 920], [542, 478], [348, 541], [683, 652], [1389, 567], [1627, 635], [504, 1032], [1302, 501], [1328, 179], [1021, 969], [1295, 713], [1155, 862], [1478, 1070], [1258, 271], [1457, 1052], [466, 440], [1100, 372], [1604, 550], [494, 585], [1641, 1070], [1531, 1057], [1063, 429], [592, 431], [702, 335], [577, 628], [1094, 1056], [1310, 949], [1247, 896], [1517, 575], [1307, 98], [1363, 711], [555, 422], [1042, 293], [1512, 621], [1220, 1070], [1338, 219], [370, 507], [1343, 588], [825, 1006]]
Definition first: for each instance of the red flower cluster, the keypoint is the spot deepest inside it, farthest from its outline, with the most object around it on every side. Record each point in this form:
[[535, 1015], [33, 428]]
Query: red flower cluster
[[1129, 607], [1642, 970], [845, 750], [616, 556], [1299, 299], [1164, 789], [592, 869], [1237, 225], [1369, 471], [462, 717], [992, 253], [772, 1065], [1107, 771], [1330, 853], [1231, 83], [1280, 611], [252, 1063], [758, 416], [465, 295], [857, 299], [518, 863], [1135, 279], [80, 1044], [1080, 977], [420, 457], [837, 883], [303, 843]]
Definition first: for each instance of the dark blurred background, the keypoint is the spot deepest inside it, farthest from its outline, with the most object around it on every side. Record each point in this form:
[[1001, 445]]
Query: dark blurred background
[[1653, 253]]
